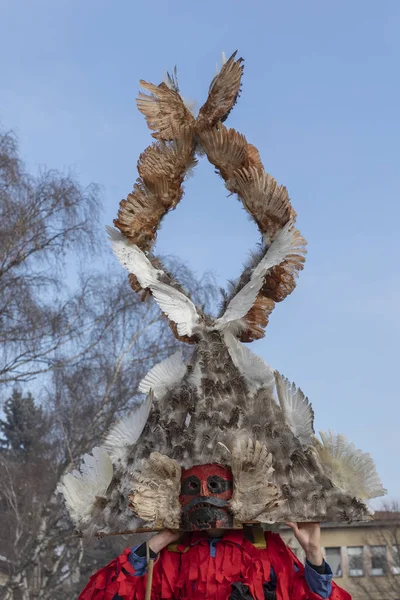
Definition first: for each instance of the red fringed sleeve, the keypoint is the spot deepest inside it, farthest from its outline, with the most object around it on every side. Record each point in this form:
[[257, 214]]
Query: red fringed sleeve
[[116, 578], [291, 585]]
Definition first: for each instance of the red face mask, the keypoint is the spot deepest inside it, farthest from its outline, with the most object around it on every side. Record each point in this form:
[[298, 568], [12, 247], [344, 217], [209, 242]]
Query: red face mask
[[205, 491]]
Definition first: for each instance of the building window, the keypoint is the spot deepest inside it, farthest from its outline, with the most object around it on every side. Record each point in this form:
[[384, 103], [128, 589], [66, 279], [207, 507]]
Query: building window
[[334, 559], [356, 561], [378, 560], [396, 560]]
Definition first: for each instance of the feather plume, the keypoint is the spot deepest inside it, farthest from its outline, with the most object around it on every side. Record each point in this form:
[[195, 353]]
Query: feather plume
[[254, 492], [263, 198], [82, 489], [281, 280], [177, 307], [173, 303], [254, 369], [164, 376], [285, 243], [253, 324], [226, 149], [297, 410], [164, 110], [155, 491], [171, 81], [133, 259], [350, 469], [126, 432], [220, 407], [223, 94]]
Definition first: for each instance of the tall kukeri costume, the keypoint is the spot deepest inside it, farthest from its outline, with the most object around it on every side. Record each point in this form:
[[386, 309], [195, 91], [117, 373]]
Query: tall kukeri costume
[[221, 440]]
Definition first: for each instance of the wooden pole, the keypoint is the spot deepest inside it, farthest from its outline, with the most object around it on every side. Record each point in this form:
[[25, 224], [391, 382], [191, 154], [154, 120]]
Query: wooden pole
[[150, 567], [152, 530]]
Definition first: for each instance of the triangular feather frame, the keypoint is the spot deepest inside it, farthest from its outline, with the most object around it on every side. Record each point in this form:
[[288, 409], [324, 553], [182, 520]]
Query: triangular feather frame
[[225, 404]]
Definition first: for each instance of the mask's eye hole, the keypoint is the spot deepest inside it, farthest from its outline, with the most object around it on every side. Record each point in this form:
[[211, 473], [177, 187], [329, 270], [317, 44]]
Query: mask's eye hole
[[217, 485], [191, 486]]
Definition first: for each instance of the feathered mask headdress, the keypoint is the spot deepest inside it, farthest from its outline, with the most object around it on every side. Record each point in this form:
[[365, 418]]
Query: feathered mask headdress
[[224, 405]]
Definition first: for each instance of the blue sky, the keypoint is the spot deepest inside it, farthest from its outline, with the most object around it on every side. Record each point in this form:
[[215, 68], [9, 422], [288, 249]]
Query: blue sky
[[321, 98]]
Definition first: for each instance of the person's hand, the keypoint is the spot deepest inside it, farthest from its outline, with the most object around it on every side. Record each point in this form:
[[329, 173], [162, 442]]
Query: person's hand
[[162, 539], [309, 537]]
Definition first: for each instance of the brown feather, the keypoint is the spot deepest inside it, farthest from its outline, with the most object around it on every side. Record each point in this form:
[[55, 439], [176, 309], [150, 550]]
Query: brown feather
[[165, 111], [263, 198], [223, 94], [226, 149], [257, 319], [281, 280]]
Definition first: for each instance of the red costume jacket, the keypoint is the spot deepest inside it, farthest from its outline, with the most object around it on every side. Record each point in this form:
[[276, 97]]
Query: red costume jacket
[[188, 571]]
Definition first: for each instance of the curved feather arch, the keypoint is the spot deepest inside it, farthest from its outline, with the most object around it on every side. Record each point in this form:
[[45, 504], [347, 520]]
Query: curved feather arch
[[162, 168]]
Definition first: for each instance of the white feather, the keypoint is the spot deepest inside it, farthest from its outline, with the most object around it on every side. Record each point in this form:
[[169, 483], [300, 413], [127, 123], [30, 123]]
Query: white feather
[[297, 409], [352, 470], [178, 307], [133, 259], [254, 369], [285, 243], [175, 305], [163, 376], [126, 432], [81, 488], [223, 61]]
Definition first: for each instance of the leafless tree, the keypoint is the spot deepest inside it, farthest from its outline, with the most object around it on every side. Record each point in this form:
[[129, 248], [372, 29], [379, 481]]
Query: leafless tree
[[83, 348], [42, 218]]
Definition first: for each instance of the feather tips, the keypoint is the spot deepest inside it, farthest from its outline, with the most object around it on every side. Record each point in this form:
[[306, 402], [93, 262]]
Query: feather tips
[[82, 489], [164, 110], [350, 469], [164, 376], [156, 489], [173, 303], [254, 492], [263, 198], [126, 432], [285, 244], [223, 94], [226, 399], [254, 369], [297, 410]]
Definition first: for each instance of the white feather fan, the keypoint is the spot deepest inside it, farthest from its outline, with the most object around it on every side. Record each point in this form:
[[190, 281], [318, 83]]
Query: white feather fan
[[352, 470], [126, 432], [164, 375], [81, 489], [296, 408]]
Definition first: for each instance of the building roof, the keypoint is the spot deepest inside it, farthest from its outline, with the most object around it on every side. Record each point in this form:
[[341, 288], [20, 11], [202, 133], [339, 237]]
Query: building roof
[[381, 518]]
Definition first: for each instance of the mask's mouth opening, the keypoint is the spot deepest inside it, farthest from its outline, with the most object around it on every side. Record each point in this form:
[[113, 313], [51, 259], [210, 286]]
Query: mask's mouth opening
[[206, 516]]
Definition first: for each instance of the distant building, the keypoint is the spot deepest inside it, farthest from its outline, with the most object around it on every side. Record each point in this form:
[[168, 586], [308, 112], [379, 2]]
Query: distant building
[[365, 557]]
